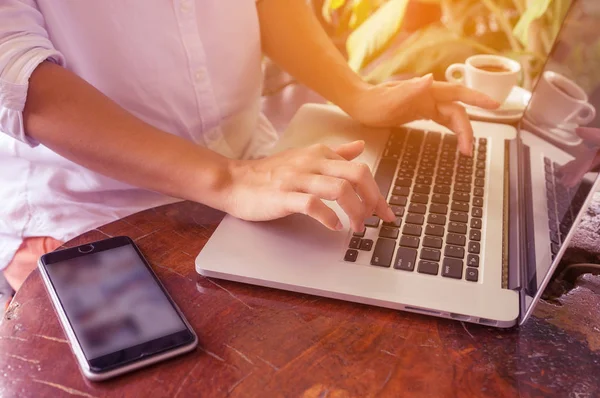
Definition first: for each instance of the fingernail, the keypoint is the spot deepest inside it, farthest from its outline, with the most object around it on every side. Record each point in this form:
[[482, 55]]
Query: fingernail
[[339, 226], [390, 214]]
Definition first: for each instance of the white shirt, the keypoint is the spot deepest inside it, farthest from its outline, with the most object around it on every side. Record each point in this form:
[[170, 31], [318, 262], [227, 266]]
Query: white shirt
[[189, 67]]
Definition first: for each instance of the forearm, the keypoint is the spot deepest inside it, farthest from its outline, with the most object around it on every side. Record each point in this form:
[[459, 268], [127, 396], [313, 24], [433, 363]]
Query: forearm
[[75, 120], [293, 38]]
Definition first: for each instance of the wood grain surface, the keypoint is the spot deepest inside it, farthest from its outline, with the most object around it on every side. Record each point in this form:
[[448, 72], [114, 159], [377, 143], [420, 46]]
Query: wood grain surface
[[260, 342]]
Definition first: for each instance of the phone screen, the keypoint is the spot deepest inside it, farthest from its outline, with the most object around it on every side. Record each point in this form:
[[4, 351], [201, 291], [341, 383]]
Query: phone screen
[[113, 304]]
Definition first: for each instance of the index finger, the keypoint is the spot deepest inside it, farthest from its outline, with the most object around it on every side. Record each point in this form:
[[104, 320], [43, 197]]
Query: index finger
[[456, 119], [450, 92]]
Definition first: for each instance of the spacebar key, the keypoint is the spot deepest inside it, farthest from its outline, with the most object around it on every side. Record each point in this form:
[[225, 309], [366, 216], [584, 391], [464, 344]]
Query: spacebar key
[[385, 175], [383, 252]]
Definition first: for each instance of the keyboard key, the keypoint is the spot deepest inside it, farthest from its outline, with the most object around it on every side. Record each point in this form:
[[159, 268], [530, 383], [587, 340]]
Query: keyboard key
[[478, 202], [474, 247], [473, 260], [420, 188], [461, 187], [454, 251], [457, 228], [463, 178], [478, 192], [414, 230], [413, 218], [480, 173], [475, 234], [354, 243], [430, 254], [482, 141], [479, 182], [401, 191], [409, 241], [438, 208], [351, 255], [440, 199], [405, 259], [420, 198], [408, 174], [426, 180], [461, 196], [455, 239], [403, 182], [436, 219], [366, 245], [434, 230], [359, 234], [385, 175], [481, 156], [428, 267], [480, 164], [372, 222], [388, 232], [398, 210], [460, 206], [433, 242], [417, 208], [459, 216], [554, 248], [383, 252], [442, 189], [476, 223], [452, 268], [394, 224], [477, 212], [398, 200], [472, 274]]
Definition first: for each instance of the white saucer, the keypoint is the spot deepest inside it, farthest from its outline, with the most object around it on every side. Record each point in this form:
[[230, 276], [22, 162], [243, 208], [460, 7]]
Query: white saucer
[[510, 111], [564, 134]]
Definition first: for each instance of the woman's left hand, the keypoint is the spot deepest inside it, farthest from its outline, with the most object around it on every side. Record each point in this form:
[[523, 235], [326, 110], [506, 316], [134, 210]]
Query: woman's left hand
[[394, 103]]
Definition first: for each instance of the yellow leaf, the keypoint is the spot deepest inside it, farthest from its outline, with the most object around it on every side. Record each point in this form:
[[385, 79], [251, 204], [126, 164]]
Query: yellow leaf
[[375, 33], [361, 9], [329, 6], [335, 4]]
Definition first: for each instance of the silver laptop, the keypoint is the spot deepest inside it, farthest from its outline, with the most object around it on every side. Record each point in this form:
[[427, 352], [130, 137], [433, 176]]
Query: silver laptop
[[477, 239]]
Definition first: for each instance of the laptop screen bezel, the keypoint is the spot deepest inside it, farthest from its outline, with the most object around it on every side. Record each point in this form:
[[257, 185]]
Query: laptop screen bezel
[[528, 302]]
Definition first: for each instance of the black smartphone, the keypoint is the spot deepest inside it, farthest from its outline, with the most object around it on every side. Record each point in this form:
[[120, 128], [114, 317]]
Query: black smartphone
[[115, 312]]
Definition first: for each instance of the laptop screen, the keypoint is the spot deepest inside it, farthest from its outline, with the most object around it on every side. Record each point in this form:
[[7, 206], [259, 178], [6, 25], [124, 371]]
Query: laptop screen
[[560, 144]]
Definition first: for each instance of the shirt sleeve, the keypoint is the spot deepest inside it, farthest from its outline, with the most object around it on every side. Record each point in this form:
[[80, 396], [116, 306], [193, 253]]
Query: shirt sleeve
[[24, 44]]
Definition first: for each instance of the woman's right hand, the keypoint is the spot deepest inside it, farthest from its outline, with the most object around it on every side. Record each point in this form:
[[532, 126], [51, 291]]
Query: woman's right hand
[[298, 180]]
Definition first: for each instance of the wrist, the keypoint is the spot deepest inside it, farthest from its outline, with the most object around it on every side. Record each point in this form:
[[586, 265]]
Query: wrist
[[350, 100]]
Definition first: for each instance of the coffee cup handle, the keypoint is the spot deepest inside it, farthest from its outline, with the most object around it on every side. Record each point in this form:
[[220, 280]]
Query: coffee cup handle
[[454, 68], [586, 115]]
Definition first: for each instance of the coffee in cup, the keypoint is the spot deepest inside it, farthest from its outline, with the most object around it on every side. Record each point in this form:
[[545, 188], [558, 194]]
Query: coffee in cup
[[492, 75], [558, 100]]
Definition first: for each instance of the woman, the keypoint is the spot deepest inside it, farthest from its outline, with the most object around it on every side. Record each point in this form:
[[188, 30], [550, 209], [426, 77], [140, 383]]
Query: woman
[[115, 106]]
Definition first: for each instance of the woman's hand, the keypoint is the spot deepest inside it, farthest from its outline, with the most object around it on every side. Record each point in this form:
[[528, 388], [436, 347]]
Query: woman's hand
[[394, 103], [297, 180]]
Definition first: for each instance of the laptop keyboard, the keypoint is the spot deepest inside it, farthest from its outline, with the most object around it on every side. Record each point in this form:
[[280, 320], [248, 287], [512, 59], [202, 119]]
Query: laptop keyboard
[[437, 196], [562, 202]]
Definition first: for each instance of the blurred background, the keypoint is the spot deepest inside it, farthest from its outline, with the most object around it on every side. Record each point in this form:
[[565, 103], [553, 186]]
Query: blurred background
[[387, 39]]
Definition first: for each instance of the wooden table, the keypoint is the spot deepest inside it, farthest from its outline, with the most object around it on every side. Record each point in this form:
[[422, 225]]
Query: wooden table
[[259, 342]]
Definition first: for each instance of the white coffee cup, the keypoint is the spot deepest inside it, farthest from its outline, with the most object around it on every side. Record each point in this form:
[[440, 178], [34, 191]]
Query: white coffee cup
[[496, 84], [558, 100]]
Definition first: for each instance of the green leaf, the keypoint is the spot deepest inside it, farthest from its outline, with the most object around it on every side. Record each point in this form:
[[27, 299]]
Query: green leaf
[[535, 9], [373, 35]]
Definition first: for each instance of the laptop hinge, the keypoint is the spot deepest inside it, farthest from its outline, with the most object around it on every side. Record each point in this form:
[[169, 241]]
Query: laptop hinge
[[512, 215]]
